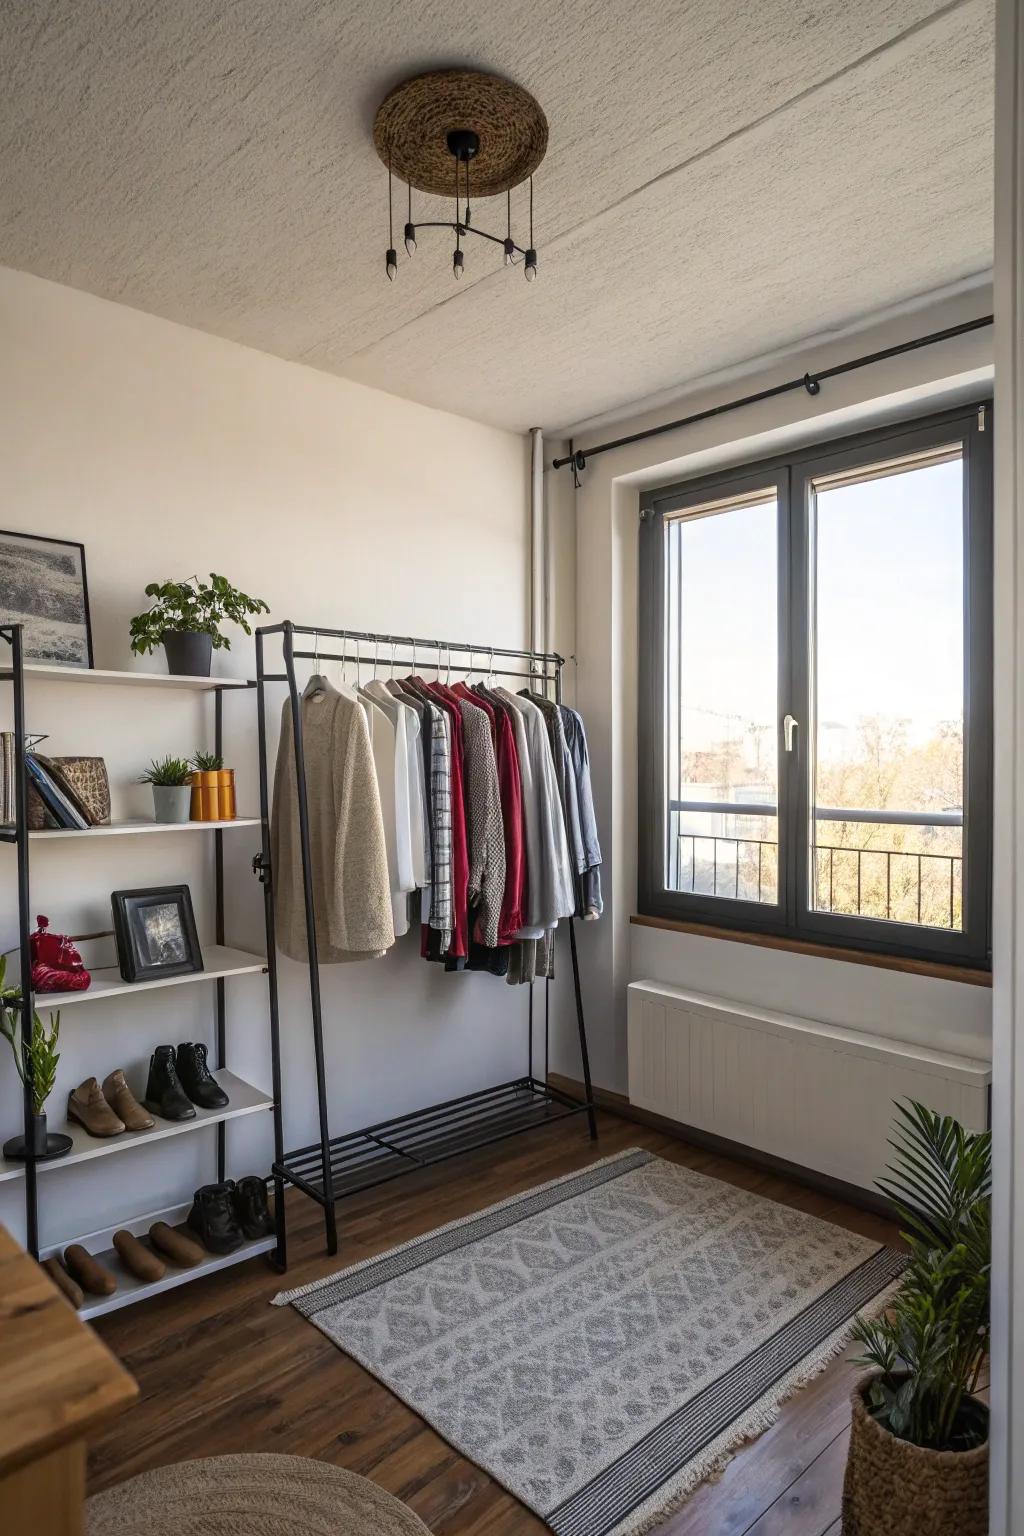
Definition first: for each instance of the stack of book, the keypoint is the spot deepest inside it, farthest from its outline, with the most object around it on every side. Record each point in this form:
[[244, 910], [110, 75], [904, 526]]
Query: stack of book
[[62, 806]]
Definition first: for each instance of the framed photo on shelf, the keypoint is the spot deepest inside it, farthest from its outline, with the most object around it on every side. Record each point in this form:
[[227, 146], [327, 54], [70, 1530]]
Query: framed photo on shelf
[[43, 586], [155, 933]]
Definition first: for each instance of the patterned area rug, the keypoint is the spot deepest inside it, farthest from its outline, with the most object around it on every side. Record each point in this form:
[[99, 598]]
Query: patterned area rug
[[599, 1345]]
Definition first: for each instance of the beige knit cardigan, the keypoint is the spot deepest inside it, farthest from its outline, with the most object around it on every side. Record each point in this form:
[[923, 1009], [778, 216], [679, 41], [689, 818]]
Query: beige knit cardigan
[[351, 889]]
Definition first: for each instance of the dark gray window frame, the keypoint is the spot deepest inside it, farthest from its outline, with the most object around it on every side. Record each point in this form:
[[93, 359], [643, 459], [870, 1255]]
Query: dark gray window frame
[[793, 917]]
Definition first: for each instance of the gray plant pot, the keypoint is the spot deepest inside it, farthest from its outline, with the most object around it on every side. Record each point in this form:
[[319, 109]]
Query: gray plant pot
[[172, 802], [189, 654]]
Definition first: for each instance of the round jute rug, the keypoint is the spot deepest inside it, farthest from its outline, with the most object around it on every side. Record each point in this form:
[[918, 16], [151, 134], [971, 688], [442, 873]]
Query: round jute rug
[[249, 1496]]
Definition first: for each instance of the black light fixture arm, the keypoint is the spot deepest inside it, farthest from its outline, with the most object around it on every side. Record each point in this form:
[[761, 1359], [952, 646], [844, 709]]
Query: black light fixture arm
[[811, 382], [468, 229]]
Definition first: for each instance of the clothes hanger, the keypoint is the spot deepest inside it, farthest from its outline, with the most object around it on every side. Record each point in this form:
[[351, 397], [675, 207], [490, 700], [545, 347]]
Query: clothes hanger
[[317, 683]]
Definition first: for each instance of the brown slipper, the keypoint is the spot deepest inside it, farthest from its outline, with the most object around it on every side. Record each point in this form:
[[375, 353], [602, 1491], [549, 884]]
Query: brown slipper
[[87, 1105], [124, 1103]]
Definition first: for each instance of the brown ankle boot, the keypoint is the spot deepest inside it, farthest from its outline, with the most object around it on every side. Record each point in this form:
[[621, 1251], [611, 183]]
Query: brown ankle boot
[[87, 1105], [124, 1103]]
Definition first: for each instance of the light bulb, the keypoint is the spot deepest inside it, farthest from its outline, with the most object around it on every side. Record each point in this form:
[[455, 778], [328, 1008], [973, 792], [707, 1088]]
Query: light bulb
[[391, 265], [531, 265], [510, 251], [410, 238], [457, 263]]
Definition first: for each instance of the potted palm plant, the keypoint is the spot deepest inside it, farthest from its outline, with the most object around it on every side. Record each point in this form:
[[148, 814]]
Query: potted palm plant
[[918, 1458], [171, 778], [186, 617], [35, 1059]]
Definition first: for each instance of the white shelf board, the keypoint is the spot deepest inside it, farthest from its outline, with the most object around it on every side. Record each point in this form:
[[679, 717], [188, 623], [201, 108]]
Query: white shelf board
[[244, 1099], [129, 1288], [218, 960], [126, 828], [37, 671]]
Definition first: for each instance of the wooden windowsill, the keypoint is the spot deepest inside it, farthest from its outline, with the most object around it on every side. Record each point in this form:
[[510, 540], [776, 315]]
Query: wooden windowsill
[[938, 969]]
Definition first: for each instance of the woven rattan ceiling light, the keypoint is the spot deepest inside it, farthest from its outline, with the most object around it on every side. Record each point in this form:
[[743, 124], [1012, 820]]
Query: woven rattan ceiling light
[[451, 132]]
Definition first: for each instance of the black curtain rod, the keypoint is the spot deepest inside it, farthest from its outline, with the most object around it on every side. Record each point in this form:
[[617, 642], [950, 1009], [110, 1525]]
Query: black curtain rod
[[810, 381]]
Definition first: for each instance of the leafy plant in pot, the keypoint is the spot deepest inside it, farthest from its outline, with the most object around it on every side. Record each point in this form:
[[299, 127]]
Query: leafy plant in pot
[[171, 778], [186, 619], [918, 1459], [36, 1060]]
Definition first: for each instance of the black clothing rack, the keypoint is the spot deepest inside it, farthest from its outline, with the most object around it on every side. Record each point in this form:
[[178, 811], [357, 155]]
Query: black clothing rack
[[334, 1167]]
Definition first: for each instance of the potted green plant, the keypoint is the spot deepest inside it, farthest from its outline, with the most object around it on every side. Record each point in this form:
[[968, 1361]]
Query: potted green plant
[[186, 618], [171, 778], [918, 1457], [40, 1056], [213, 788]]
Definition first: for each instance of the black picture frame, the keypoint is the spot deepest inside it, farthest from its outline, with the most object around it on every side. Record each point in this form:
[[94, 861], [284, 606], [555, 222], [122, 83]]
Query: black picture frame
[[48, 596], [155, 933]]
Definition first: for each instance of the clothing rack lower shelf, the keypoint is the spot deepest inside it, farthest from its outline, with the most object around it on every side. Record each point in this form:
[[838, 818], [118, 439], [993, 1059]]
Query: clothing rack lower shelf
[[362, 1159]]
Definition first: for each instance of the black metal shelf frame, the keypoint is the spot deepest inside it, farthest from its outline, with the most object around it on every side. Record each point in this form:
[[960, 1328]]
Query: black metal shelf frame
[[19, 835], [332, 1168]]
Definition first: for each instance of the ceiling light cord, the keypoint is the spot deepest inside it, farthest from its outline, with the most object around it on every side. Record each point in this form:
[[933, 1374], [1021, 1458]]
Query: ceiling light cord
[[458, 264], [410, 227], [530, 267], [391, 257], [508, 243]]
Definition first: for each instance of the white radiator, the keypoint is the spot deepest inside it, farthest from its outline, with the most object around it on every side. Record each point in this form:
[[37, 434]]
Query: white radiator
[[810, 1093]]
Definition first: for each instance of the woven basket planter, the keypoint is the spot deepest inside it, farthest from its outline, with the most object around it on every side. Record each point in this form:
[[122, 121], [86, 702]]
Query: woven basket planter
[[896, 1489]]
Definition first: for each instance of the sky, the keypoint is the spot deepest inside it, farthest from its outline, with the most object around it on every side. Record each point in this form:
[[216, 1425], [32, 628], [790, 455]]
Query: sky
[[890, 611]]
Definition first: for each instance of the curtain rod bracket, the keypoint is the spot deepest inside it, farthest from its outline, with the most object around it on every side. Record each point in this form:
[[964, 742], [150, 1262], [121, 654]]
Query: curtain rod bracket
[[811, 384]]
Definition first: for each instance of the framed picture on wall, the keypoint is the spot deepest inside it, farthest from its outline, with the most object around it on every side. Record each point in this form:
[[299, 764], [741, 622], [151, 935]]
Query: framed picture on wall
[[43, 586], [155, 933]]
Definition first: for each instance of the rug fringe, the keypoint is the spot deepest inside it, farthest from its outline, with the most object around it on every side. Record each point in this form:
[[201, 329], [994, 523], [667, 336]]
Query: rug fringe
[[285, 1298], [710, 1465]]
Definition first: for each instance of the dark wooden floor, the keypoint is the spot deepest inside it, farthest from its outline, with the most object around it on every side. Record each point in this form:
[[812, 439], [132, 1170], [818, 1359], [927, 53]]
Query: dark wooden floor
[[221, 1370]]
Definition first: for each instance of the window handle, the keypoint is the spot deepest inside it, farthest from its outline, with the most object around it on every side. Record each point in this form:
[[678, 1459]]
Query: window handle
[[789, 726]]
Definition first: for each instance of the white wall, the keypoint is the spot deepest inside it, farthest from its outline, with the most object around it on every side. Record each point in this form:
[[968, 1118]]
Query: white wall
[[168, 452], [947, 1014]]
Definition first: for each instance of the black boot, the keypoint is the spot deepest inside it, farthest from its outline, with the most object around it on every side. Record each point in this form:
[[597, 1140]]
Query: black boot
[[213, 1219], [197, 1079], [164, 1094], [251, 1209]]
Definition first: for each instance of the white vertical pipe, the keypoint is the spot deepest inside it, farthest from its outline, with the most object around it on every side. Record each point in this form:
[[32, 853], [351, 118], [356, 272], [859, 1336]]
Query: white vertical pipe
[[538, 561], [1007, 1355]]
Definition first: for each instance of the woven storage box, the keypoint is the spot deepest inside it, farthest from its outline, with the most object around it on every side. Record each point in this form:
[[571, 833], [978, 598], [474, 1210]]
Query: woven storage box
[[893, 1488], [84, 780]]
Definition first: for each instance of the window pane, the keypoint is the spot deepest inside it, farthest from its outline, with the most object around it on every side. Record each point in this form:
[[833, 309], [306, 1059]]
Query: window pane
[[888, 670], [721, 703]]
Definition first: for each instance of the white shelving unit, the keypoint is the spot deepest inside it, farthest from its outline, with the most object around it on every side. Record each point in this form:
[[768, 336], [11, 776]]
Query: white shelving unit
[[130, 828], [220, 962], [243, 1099], [129, 1288], [40, 672]]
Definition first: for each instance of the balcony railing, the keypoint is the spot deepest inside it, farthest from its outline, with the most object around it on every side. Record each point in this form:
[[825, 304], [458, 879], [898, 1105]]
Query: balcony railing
[[894, 884]]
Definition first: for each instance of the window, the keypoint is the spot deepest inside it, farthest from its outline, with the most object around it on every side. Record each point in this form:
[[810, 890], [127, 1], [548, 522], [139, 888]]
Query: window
[[815, 693]]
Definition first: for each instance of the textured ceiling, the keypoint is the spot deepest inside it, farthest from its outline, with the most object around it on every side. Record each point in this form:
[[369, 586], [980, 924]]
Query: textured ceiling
[[722, 179]]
